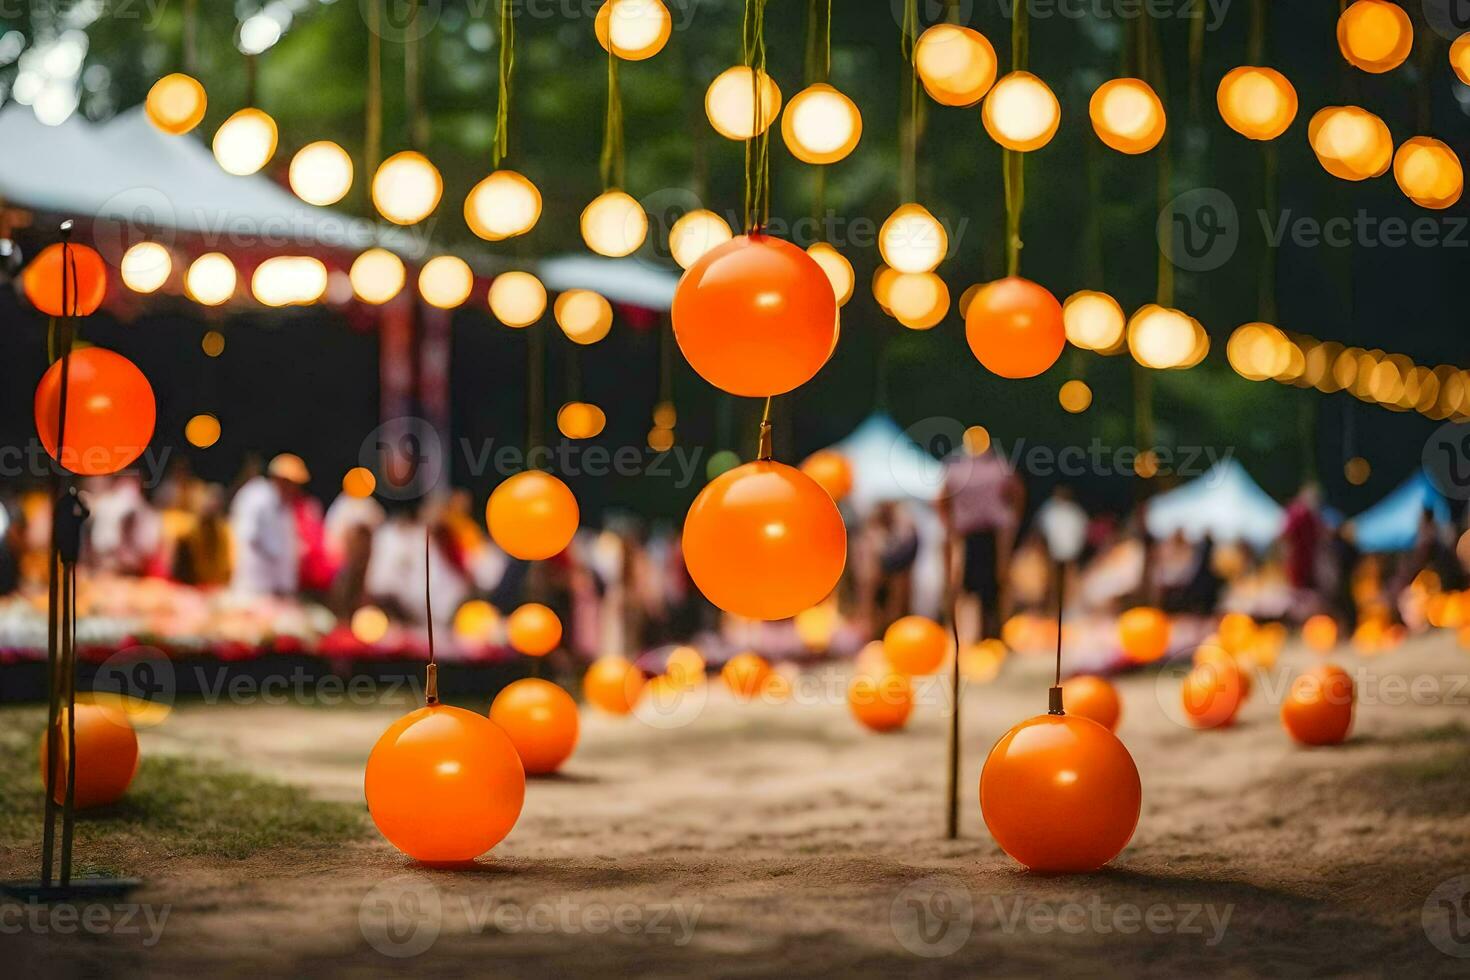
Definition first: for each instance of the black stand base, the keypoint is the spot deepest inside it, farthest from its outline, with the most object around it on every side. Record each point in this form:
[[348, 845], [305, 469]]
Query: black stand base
[[81, 890]]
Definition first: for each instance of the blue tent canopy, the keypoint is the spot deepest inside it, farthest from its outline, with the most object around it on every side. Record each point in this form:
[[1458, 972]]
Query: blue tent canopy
[[1392, 524]]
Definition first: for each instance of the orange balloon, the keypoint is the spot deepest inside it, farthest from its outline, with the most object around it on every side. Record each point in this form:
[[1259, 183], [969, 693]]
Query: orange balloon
[[1237, 632], [1212, 693], [86, 282], [685, 667], [1092, 697], [1060, 793], [533, 630], [756, 316], [882, 702], [831, 470], [1320, 632], [915, 645], [110, 411], [541, 721], [1143, 633], [613, 684], [532, 516], [444, 785], [1216, 655], [107, 757], [1318, 709], [1014, 327], [764, 541], [745, 674]]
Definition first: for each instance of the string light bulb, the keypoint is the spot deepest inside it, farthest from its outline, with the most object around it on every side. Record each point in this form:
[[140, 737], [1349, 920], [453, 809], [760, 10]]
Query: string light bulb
[[614, 224], [821, 125], [1127, 115], [839, 271], [245, 142], [1093, 320], [1258, 103], [407, 188], [1161, 338], [913, 240], [1428, 172], [377, 276], [145, 267], [1350, 142], [211, 279], [1021, 113], [1375, 35], [517, 299], [289, 280], [955, 64], [584, 316], [729, 102], [1460, 57], [176, 103], [503, 205], [634, 30], [695, 233], [446, 281], [580, 420], [321, 173]]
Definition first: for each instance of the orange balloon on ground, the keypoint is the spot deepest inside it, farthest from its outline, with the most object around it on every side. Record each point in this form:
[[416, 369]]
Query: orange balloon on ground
[[613, 684], [745, 674], [444, 785], [915, 645], [110, 411], [532, 516], [1143, 632], [85, 284], [1014, 327], [533, 629], [1318, 709], [107, 757], [541, 721], [1060, 793], [764, 541], [756, 316], [882, 702], [831, 470], [685, 667], [1092, 697], [1320, 632], [1212, 693], [1237, 632], [1217, 655]]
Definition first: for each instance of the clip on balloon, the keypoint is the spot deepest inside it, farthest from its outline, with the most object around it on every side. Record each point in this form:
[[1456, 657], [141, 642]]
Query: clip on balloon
[[56, 882]]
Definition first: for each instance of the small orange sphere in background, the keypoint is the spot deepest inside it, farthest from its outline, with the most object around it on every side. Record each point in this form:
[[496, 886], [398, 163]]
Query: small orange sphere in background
[[532, 516], [831, 470], [1060, 793], [533, 629], [107, 756], [1320, 632], [1127, 115], [764, 541], [915, 645], [541, 721], [1258, 103], [444, 785], [1375, 35], [1092, 697], [1318, 709], [110, 411], [86, 282], [1014, 327], [881, 701], [1143, 633], [1212, 693], [981, 662], [1209, 654], [745, 674], [1460, 57], [685, 667], [613, 684], [1237, 633], [755, 316]]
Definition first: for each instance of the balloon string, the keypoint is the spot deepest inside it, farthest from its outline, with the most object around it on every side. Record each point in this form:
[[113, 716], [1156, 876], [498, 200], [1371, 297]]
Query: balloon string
[[765, 449], [1013, 163], [819, 41], [1153, 67], [612, 164], [431, 674], [373, 124], [507, 68], [758, 147], [909, 127]]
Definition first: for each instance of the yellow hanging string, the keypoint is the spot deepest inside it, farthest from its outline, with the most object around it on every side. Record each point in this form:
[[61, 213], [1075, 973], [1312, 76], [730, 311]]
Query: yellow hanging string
[[612, 164], [1013, 163], [373, 125], [758, 147], [507, 68], [908, 133]]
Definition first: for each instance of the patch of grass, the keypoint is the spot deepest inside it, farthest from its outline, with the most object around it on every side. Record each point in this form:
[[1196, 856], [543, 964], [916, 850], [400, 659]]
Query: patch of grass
[[176, 807]]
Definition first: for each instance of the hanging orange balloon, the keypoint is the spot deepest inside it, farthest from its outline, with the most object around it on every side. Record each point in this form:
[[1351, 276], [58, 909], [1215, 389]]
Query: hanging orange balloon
[[1093, 697], [1320, 633], [1143, 633], [85, 284], [107, 756], [756, 316], [745, 674], [444, 785], [533, 630], [764, 541], [532, 516], [1060, 793], [915, 645], [110, 412], [613, 684], [831, 470], [1014, 327], [882, 701], [1318, 709], [1375, 35], [540, 719]]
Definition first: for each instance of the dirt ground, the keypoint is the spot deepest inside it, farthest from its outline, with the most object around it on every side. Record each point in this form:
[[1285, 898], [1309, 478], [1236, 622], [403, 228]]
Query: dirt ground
[[782, 838]]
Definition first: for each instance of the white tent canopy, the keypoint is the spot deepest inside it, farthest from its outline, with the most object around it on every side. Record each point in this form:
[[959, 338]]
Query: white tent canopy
[[628, 280], [1224, 503]]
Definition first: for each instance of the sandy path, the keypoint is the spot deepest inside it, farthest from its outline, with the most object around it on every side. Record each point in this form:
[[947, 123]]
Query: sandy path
[[782, 838]]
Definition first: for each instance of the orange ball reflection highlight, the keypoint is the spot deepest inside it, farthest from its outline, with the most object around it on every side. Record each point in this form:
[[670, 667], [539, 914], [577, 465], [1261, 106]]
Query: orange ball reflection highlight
[[915, 645], [764, 541], [745, 674], [881, 701], [107, 756], [1143, 633], [1092, 697], [110, 412], [1014, 328], [1060, 793], [533, 629], [85, 282], [540, 719], [532, 516], [1318, 709], [444, 785], [613, 684], [756, 316]]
